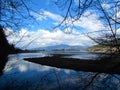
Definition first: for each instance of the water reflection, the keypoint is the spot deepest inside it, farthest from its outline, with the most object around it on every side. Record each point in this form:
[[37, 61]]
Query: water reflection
[[24, 75], [3, 61], [76, 54]]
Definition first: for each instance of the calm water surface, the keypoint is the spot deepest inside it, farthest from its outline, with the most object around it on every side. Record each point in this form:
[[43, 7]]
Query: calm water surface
[[23, 75]]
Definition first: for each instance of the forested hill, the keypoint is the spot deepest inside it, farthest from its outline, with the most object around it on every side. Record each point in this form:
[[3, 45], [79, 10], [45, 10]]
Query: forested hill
[[5, 47]]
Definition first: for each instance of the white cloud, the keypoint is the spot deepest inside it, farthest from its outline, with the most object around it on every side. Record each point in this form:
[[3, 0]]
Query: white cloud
[[89, 22], [105, 5], [23, 32], [118, 31], [53, 16], [8, 32], [44, 15], [117, 16], [33, 39], [42, 38]]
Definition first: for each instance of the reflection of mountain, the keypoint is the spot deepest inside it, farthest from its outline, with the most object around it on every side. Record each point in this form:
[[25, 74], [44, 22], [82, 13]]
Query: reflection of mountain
[[62, 46]]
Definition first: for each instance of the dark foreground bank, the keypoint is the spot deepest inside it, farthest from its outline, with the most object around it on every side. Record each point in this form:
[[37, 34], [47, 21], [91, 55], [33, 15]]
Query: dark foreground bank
[[103, 66]]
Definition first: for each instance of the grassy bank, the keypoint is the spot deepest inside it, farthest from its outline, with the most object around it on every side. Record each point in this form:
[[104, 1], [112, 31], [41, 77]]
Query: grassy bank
[[98, 48]]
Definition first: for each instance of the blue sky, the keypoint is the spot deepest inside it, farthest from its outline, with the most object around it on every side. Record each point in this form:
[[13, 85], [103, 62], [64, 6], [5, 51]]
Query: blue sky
[[42, 34]]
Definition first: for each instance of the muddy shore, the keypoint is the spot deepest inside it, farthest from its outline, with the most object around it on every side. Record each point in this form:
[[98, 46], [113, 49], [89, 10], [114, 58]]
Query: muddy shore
[[102, 66]]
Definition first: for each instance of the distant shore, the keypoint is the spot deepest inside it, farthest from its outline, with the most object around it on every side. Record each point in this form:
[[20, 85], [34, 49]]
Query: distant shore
[[102, 66]]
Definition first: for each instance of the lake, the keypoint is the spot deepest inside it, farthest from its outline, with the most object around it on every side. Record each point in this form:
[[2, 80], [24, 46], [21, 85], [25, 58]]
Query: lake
[[23, 75]]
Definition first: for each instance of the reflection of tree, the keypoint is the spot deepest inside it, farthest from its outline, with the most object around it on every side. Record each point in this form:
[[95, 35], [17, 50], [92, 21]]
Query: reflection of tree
[[103, 81], [3, 60], [90, 81], [58, 79]]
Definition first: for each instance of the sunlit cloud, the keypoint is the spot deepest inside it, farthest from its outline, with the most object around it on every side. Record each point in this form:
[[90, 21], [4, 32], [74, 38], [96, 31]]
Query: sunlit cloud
[[89, 21], [42, 38], [44, 15], [23, 32], [53, 16], [118, 31], [105, 5]]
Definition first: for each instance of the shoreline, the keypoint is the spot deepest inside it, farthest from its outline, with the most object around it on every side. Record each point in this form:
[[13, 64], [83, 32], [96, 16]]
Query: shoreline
[[101, 66]]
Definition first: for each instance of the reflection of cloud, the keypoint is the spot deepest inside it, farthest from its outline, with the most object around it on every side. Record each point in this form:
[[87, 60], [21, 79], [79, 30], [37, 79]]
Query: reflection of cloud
[[22, 68], [15, 64]]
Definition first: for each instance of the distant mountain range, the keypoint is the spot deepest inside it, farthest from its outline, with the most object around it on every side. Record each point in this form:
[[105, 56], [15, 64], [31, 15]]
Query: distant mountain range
[[61, 47]]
